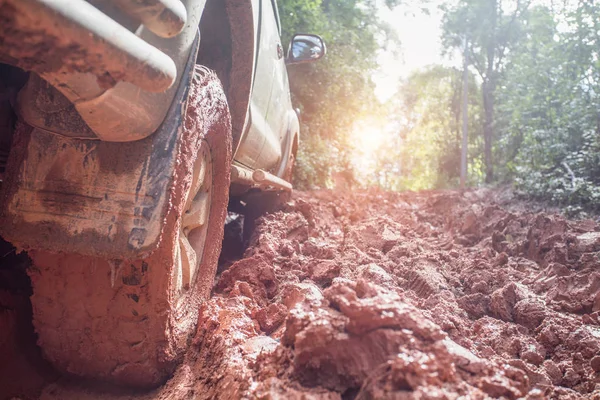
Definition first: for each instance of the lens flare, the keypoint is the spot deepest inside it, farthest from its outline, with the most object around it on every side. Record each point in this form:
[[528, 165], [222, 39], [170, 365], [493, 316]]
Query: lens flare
[[367, 139]]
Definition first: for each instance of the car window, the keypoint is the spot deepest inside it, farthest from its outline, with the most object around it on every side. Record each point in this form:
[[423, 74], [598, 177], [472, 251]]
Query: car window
[[276, 11]]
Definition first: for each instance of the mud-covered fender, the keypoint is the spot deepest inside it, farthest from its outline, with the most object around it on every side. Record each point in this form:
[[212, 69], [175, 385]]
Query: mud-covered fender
[[92, 197]]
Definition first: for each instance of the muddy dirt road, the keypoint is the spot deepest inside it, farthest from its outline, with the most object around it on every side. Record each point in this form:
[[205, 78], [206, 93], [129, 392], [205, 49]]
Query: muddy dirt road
[[375, 295]]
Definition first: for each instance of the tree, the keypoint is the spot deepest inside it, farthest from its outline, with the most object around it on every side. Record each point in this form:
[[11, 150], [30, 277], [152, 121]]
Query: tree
[[548, 104], [428, 111], [334, 92], [491, 28]]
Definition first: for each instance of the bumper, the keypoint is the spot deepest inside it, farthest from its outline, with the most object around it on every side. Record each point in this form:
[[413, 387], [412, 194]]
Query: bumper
[[121, 83]]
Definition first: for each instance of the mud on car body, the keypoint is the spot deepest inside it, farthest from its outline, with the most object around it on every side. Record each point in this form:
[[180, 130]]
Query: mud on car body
[[126, 129]]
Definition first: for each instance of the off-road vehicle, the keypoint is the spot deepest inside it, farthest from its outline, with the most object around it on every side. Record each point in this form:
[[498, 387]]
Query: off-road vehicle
[[126, 129]]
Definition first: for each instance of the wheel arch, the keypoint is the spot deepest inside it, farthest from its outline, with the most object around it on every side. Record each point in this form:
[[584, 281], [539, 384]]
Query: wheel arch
[[290, 145], [295, 143]]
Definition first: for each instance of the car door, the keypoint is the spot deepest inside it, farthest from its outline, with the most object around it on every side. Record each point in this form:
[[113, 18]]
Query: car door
[[260, 147], [280, 104]]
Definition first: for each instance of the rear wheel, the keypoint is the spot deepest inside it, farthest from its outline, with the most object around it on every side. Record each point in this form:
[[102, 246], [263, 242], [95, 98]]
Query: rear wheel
[[129, 321]]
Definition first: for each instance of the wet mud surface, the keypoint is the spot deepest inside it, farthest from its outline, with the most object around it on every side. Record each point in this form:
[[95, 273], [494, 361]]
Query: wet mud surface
[[433, 295]]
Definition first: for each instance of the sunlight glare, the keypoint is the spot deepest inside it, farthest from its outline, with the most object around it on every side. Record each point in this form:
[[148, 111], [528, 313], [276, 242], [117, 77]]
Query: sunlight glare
[[368, 137]]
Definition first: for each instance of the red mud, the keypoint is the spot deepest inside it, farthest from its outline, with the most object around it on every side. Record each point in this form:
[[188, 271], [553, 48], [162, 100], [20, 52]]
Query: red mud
[[432, 295]]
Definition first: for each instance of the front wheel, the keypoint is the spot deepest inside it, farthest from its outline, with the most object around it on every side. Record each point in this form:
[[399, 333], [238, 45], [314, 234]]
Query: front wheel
[[129, 321]]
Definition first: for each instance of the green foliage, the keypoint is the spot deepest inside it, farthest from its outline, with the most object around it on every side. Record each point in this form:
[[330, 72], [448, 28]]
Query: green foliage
[[334, 92], [534, 87], [427, 153], [549, 121], [490, 30], [533, 105], [314, 164]]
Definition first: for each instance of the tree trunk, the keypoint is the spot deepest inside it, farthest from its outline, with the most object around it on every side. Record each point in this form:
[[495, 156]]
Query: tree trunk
[[488, 89], [488, 129]]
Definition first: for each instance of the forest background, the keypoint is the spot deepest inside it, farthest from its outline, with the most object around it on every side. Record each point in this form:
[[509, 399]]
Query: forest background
[[533, 99]]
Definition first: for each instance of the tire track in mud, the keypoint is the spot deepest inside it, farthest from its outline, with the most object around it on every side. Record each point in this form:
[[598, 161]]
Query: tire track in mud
[[384, 295]]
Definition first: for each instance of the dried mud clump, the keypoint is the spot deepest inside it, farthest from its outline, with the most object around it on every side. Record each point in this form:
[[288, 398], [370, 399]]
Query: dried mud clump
[[370, 342], [421, 295], [368, 295]]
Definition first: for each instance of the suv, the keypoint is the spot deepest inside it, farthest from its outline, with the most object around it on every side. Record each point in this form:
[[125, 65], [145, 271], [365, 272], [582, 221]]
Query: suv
[[125, 133]]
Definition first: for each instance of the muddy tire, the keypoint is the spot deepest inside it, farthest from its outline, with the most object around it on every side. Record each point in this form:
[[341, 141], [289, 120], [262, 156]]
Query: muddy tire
[[129, 321]]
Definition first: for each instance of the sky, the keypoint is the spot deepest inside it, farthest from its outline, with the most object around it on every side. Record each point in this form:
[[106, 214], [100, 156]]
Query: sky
[[419, 35]]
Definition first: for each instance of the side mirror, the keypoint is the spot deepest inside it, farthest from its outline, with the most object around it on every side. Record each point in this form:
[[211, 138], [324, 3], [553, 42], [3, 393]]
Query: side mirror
[[305, 48]]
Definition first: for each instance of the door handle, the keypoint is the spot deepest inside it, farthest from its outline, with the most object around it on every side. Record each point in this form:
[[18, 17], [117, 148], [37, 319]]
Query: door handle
[[279, 51]]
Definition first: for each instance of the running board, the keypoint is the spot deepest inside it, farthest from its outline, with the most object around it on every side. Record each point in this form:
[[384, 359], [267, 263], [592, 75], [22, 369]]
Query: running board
[[259, 178]]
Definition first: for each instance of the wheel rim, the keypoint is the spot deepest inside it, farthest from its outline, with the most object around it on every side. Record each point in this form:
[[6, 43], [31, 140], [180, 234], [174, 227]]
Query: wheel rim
[[194, 223]]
